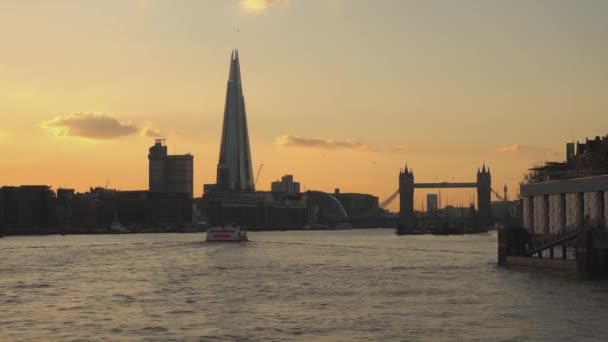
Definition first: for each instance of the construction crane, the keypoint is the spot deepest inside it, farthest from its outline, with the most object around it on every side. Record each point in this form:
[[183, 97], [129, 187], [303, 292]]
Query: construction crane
[[258, 175]]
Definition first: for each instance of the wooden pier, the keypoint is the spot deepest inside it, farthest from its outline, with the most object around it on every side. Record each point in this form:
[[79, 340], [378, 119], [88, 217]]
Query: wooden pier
[[584, 250], [563, 226]]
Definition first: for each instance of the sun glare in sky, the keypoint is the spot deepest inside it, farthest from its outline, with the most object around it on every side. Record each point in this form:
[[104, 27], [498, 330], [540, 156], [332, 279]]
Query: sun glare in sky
[[256, 5]]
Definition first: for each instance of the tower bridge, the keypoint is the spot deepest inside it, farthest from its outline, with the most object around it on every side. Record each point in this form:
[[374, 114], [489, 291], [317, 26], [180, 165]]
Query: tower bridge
[[483, 184], [444, 185]]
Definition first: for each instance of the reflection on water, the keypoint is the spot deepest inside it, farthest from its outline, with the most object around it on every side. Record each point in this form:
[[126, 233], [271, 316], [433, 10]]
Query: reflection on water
[[337, 285]]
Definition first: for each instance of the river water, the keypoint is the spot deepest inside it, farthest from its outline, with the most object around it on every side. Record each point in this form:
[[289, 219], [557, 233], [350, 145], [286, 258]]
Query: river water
[[351, 285]]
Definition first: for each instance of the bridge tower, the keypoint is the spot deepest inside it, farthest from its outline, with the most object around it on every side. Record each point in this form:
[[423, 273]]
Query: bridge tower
[[484, 188], [406, 199]]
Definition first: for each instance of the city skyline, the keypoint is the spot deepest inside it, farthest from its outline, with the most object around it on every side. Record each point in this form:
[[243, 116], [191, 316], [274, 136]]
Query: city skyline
[[334, 98]]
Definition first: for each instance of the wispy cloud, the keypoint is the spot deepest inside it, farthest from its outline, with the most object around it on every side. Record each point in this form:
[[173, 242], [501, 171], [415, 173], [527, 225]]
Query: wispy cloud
[[527, 150], [89, 125], [512, 149], [259, 5], [149, 132], [332, 144], [328, 144]]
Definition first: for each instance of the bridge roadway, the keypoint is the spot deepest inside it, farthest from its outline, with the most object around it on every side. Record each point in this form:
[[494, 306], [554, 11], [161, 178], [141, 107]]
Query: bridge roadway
[[444, 185]]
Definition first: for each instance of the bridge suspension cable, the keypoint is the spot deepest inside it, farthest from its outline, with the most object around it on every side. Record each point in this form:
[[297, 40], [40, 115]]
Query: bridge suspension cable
[[381, 207], [498, 195], [389, 200]]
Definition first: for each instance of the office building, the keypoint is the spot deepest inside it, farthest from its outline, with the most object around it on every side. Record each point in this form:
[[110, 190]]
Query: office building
[[170, 174]]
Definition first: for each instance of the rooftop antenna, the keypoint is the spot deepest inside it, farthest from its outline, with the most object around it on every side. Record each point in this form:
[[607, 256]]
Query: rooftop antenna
[[573, 135], [422, 200]]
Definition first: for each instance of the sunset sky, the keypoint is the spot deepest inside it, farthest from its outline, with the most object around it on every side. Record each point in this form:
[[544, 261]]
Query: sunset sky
[[339, 93]]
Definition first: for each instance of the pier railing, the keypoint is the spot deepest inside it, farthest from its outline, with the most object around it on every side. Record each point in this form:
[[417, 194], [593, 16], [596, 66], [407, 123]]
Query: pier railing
[[538, 244]]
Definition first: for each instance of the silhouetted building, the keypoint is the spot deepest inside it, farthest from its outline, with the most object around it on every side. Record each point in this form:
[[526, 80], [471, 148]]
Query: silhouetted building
[[259, 210], [273, 210], [358, 205], [432, 203], [286, 185], [142, 210], [570, 154], [484, 189], [170, 174], [96, 210], [63, 208], [582, 160], [27, 209], [325, 209], [407, 219], [234, 172], [233, 198]]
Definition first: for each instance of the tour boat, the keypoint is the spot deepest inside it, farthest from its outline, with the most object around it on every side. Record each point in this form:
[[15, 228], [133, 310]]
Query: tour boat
[[228, 233], [117, 228]]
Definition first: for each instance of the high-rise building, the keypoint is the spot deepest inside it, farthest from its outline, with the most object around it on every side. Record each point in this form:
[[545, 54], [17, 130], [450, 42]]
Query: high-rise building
[[432, 203], [170, 174], [234, 172], [570, 154]]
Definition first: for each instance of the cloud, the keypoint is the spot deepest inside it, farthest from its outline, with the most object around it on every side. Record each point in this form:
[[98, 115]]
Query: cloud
[[259, 5], [513, 149], [151, 133], [331, 144], [89, 125], [526, 150]]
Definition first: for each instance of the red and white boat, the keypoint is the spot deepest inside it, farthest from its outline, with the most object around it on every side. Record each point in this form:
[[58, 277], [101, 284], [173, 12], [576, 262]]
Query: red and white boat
[[228, 233]]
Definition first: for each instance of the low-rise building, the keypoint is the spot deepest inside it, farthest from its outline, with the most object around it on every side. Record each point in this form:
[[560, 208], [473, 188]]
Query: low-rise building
[[286, 185], [358, 205], [27, 209]]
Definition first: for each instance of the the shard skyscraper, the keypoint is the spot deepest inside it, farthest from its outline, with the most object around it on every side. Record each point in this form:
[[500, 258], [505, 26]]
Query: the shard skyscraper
[[234, 172]]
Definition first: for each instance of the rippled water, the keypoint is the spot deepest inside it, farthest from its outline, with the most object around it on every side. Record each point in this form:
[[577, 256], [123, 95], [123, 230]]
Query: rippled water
[[331, 286]]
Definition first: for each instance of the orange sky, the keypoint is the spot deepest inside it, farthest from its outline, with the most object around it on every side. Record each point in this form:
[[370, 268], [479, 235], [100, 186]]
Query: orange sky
[[339, 93]]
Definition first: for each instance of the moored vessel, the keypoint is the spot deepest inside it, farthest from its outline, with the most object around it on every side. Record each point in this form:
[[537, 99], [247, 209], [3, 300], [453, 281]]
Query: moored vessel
[[228, 233]]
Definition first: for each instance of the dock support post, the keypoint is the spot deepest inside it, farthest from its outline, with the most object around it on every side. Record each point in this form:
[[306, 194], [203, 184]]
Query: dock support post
[[584, 252], [503, 246]]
